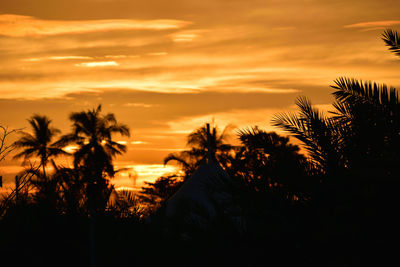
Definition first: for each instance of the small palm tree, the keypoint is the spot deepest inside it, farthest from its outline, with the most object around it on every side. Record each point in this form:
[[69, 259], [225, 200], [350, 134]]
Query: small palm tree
[[199, 143], [39, 143]]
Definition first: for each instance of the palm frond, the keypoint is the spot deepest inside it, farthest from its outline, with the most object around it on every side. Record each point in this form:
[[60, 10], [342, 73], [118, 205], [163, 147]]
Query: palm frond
[[392, 40], [318, 133], [178, 158], [66, 140], [354, 91]]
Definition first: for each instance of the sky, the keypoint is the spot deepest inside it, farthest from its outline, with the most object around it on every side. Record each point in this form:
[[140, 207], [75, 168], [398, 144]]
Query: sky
[[165, 68]]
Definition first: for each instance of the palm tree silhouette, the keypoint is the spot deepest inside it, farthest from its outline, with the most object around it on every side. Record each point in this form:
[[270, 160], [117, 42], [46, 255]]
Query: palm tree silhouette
[[199, 144], [320, 134], [39, 143], [365, 107], [362, 133], [93, 133], [267, 161]]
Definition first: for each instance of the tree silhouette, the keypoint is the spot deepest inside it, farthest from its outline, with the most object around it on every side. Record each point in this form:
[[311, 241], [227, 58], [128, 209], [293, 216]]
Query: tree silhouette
[[199, 144], [92, 132], [5, 148], [355, 149], [268, 164], [39, 143], [154, 194], [365, 107], [320, 135]]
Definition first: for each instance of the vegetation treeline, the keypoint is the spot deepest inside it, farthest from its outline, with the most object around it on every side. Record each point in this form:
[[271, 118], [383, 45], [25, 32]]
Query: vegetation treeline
[[317, 208]]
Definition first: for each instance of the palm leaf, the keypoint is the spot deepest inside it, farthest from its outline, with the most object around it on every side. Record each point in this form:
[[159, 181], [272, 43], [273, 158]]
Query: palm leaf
[[392, 40]]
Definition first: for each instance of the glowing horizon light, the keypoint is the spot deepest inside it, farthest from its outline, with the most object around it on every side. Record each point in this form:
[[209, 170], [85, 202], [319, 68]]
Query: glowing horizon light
[[70, 149], [150, 172], [122, 142], [98, 64], [136, 175], [127, 188]]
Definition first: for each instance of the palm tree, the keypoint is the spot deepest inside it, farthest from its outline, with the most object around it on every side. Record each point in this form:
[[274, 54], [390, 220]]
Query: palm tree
[[39, 143], [364, 131], [358, 144], [371, 116], [93, 133], [199, 143], [320, 135]]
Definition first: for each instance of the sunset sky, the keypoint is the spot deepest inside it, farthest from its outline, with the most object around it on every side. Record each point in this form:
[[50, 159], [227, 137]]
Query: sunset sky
[[165, 68]]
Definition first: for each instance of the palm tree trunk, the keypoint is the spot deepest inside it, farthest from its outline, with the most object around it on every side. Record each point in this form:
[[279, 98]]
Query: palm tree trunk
[[43, 163]]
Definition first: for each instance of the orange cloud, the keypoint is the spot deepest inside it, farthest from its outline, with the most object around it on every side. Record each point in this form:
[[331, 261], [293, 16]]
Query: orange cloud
[[186, 36], [157, 54], [97, 64], [35, 59], [374, 24], [21, 26]]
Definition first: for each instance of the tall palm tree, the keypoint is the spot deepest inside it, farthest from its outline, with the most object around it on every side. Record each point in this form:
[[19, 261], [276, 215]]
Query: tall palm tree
[[39, 142], [358, 144], [93, 133], [364, 131]]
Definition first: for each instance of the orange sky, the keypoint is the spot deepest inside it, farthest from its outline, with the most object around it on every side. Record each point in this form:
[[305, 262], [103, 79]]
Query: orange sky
[[166, 67]]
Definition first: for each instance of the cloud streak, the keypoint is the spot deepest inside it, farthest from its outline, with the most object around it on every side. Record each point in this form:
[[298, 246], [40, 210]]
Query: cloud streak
[[98, 64], [374, 24], [20, 26], [36, 59]]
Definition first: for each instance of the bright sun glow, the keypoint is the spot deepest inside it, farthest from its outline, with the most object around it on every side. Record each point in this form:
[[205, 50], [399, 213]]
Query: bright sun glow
[[70, 149]]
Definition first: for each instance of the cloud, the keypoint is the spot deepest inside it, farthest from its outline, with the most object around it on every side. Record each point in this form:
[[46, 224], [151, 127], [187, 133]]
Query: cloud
[[121, 56], [138, 105], [374, 24], [157, 54], [21, 26], [138, 143], [36, 59], [98, 64], [187, 36]]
